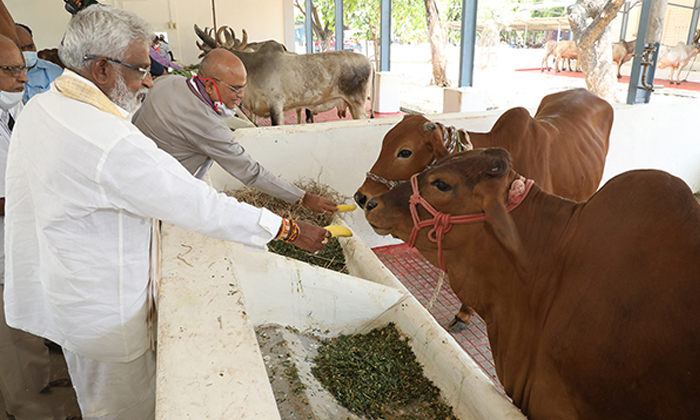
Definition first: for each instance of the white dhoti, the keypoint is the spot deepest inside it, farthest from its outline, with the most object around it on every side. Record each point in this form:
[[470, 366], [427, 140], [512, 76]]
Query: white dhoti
[[114, 391]]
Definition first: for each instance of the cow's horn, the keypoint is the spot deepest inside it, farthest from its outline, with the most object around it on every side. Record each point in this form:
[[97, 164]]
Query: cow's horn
[[204, 36], [244, 40], [429, 126], [222, 36], [230, 38]]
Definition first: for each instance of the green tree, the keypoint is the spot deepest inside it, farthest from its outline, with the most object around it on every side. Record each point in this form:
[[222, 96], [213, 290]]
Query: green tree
[[322, 20]]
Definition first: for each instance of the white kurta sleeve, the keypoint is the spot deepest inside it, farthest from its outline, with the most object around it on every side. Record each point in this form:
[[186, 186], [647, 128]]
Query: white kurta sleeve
[[140, 178]]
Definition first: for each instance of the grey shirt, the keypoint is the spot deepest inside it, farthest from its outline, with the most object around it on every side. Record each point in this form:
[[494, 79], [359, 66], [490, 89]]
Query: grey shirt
[[191, 131]]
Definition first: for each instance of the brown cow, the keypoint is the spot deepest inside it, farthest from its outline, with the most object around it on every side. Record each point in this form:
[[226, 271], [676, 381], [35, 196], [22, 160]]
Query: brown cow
[[622, 52], [566, 288], [562, 148]]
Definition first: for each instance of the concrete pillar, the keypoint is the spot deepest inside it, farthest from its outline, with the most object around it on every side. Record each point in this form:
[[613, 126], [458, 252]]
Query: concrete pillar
[[387, 91], [464, 99]]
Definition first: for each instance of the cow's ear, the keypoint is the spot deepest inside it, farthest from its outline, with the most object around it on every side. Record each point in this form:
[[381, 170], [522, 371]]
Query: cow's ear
[[498, 163], [434, 133], [507, 233]]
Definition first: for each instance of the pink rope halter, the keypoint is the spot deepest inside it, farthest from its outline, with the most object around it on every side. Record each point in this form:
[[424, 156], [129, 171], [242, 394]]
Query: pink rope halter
[[442, 222]]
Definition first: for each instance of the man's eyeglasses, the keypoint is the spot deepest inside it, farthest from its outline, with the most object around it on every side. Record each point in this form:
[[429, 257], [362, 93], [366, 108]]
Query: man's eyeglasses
[[144, 72], [235, 89], [15, 71]]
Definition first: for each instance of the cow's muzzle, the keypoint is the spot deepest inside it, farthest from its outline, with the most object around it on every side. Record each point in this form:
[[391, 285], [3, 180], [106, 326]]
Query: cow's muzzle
[[360, 199]]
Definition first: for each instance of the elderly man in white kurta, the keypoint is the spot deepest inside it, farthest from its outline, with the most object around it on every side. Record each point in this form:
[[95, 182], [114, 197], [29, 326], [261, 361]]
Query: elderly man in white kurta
[[83, 185]]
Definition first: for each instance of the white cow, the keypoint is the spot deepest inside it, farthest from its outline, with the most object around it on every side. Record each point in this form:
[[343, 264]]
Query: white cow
[[622, 51], [549, 51], [678, 56]]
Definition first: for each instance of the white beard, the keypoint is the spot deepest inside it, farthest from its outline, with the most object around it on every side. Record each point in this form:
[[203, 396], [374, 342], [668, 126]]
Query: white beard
[[122, 96]]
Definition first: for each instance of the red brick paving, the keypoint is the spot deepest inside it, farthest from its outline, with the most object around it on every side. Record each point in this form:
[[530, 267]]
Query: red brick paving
[[421, 278], [625, 80]]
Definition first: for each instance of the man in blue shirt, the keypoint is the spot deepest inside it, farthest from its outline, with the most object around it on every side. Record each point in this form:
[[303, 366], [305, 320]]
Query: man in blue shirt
[[40, 72]]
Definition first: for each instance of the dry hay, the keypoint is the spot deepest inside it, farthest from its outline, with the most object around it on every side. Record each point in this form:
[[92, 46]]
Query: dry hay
[[332, 256]]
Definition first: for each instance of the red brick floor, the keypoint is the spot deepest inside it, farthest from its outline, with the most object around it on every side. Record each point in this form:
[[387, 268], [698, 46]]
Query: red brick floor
[[421, 278]]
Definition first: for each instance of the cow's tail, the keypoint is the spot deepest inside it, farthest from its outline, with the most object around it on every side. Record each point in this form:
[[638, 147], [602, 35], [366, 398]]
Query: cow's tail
[[372, 93]]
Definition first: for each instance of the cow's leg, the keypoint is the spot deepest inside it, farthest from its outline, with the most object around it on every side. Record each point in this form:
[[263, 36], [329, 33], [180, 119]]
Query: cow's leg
[[461, 320], [309, 116], [276, 115], [299, 115], [619, 64]]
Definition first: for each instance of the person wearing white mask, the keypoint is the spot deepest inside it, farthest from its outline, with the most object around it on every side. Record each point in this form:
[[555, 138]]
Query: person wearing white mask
[[24, 358], [185, 117], [40, 72]]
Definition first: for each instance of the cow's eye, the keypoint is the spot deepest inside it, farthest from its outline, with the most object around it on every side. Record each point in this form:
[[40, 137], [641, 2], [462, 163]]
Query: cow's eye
[[405, 153], [441, 185]]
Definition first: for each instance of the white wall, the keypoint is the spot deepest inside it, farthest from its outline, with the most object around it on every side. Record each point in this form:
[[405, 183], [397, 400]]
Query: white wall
[[262, 19]]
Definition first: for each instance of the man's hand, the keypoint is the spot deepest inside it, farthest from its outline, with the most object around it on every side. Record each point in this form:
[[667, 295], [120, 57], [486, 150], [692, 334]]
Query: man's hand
[[311, 238], [318, 204]]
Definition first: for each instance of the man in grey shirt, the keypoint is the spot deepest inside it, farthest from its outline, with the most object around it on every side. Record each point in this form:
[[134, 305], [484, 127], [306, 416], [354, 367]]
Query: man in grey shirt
[[185, 117]]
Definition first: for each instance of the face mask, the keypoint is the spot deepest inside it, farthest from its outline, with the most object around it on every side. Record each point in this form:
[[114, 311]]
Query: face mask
[[9, 99], [223, 111], [30, 58]]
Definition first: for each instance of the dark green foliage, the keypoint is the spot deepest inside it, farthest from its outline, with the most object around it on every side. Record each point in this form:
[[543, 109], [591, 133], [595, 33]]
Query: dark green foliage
[[377, 375]]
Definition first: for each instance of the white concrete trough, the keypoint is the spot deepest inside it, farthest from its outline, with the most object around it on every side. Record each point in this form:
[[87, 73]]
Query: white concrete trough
[[213, 293]]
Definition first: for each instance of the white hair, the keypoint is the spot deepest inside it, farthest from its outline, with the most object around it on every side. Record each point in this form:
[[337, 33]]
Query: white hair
[[102, 31]]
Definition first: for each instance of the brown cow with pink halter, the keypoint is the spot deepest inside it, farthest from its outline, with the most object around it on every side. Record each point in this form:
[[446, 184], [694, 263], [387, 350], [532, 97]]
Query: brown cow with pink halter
[[562, 148], [565, 288]]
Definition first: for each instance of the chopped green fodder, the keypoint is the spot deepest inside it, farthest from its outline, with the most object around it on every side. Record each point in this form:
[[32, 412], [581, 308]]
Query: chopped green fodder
[[377, 375], [187, 72], [332, 257]]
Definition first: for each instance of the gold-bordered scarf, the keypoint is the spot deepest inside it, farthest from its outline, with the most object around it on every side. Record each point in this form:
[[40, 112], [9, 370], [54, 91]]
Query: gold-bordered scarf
[[69, 84]]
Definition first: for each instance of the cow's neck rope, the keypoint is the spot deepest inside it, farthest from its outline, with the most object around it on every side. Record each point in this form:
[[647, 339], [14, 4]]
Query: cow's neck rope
[[442, 222], [450, 139]]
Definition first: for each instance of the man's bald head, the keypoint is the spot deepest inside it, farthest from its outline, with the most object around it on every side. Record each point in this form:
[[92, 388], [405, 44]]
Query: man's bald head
[[6, 44], [224, 77], [222, 64]]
